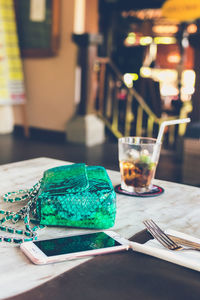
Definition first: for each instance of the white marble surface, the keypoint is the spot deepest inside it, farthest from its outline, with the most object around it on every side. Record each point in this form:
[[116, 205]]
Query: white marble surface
[[178, 208]]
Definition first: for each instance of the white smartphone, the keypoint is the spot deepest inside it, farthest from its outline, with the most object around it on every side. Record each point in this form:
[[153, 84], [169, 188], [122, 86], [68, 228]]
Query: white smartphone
[[76, 246]]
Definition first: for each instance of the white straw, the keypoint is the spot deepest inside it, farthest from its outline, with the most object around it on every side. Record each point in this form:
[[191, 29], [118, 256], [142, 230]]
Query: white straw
[[167, 123], [161, 131]]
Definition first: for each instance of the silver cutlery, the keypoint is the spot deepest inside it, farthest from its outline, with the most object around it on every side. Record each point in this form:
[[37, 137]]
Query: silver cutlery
[[183, 241], [163, 238]]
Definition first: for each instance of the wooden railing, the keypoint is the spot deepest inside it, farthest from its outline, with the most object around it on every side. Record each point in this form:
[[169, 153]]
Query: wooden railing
[[131, 115]]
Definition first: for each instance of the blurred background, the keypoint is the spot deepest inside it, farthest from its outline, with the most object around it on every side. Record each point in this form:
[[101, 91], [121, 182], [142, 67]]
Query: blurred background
[[77, 75]]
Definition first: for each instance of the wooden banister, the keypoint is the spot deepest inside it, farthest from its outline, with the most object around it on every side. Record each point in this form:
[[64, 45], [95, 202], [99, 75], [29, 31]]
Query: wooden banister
[[132, 115]]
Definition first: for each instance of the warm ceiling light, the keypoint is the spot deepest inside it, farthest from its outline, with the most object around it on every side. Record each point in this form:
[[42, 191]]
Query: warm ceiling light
[[134, 76], [144, 14], [192, 28], [173, 58], [130, 40], [145, 72], [146, 40], [171, 29], [188, 78], [128, 80], [165, 40]]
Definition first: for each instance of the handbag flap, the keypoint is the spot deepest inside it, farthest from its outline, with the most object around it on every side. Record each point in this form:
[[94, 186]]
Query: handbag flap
[[65, 179], [76, 196]]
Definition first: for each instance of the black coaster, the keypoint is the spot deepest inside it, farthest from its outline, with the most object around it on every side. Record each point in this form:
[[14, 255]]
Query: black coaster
[[155, 191]]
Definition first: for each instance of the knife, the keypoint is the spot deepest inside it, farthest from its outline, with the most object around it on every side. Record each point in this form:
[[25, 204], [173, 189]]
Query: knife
[[184, 242]]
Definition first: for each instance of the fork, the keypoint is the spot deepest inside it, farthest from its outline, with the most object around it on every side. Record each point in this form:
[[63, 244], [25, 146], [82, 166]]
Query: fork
[[163, 238]]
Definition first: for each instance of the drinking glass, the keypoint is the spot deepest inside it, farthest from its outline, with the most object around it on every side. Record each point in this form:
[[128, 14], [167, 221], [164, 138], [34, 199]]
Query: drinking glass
[[138, 158]]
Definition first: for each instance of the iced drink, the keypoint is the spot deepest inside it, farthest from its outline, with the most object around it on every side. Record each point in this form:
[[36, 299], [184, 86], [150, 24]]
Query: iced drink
[[137, 163]]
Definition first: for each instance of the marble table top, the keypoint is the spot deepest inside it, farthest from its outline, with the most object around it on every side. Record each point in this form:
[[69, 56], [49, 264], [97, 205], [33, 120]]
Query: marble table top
[[178, 208]]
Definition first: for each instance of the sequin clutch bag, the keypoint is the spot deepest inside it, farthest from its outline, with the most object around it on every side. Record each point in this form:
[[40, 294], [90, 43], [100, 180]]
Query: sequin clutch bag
[[76, 196]]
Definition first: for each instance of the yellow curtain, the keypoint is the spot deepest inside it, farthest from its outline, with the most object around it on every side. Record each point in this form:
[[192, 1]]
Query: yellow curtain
[[11, 74]]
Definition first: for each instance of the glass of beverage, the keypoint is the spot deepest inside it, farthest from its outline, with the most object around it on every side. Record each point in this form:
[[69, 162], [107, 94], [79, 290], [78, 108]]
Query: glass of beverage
[[138, 158]]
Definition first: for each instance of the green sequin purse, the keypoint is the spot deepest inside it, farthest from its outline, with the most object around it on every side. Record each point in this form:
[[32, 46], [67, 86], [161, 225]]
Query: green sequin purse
[[70, 195], [76, 196]]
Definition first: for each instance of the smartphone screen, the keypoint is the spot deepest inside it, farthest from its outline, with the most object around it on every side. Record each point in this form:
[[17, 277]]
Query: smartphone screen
[[77, 243]]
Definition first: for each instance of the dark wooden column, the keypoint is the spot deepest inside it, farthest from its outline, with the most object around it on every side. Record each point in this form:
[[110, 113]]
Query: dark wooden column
[[87, 52], [195, 43]]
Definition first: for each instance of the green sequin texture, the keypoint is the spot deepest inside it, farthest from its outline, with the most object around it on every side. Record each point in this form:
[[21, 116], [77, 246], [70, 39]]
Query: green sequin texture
[[27, 233], [28, 239], [7, 239], [2, 228], [77, 196], [17, 199], [17, 241]]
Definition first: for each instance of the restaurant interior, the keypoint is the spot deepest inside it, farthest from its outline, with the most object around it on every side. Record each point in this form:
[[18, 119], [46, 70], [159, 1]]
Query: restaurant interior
[[94, 71], [99, 129]]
